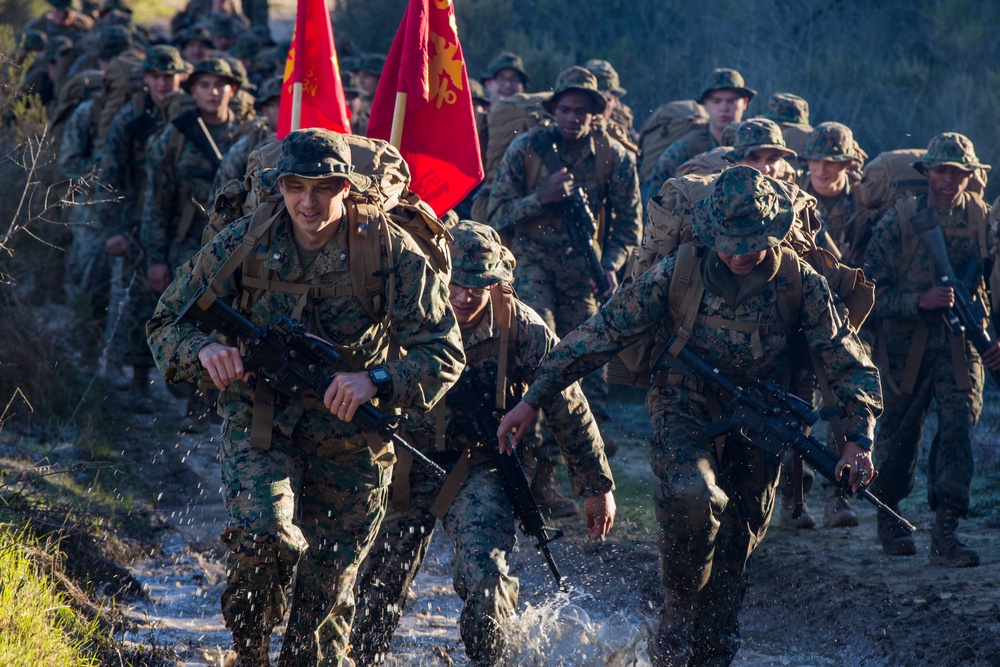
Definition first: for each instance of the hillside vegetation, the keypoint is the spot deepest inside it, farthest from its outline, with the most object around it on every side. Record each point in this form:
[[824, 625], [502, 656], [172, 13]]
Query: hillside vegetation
[[896, 72]]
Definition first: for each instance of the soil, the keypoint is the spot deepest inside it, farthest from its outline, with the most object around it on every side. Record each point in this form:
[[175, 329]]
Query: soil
[[816, 597]]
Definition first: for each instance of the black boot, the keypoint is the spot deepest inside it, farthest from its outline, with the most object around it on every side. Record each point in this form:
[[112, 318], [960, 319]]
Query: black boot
[[672, 645], [896, 541], [946, 550]]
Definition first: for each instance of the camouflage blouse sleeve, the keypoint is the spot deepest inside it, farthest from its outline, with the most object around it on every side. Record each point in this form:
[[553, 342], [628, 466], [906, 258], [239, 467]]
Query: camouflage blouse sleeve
[[892, 299], [567, 415], [849, 370], [114, 165], [510, 203], [160, 202], [233, 165], [633, 312], [77, 154], [623, 195], [424, 325]]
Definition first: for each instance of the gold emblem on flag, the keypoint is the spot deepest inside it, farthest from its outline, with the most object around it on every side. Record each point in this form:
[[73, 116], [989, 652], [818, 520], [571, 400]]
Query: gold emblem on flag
[[445, 71]]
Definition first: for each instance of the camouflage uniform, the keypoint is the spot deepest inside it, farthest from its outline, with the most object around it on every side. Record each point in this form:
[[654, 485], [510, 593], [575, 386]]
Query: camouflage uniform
[[700, 139], [173, 179], [619, 124], [480, 519], [834, 142], [123, 173], [314, 499], [552, 276], [76, 26], [950, 369], [791, 112], [713, 513], [260, 133]]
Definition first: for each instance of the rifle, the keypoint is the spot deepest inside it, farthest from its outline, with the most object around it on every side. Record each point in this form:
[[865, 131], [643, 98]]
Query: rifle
[[291, 360], [967, 315], [579, 220], [474, 415], [194, 129], [776, 418]]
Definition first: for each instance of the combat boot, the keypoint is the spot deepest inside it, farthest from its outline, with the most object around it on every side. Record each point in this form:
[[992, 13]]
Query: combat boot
[[252, 657], [197, 418], [946, 549], [543, 488], [896, 541], [788, 519], [837, 512], [671, 647], [139, 399]]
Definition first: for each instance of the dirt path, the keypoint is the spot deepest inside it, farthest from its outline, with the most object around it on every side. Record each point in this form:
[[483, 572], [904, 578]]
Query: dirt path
[[821, 597]]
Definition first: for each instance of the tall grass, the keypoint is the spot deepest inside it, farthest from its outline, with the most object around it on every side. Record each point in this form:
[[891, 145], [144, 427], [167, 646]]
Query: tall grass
[[37, 624]]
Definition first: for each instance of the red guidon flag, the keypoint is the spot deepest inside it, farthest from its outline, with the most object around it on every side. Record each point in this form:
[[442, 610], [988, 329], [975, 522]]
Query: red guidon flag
[[423, 103], [312, 67]]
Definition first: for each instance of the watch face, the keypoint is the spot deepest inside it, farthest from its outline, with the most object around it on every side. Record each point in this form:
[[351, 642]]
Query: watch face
[[379, 375]]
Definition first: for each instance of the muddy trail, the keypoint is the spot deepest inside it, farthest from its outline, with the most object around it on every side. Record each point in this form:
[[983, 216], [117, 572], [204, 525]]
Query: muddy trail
[[819, 597]]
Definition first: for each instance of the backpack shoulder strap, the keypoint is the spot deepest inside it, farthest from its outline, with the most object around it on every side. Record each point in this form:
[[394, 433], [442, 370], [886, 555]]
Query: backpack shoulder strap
[[247, 254], [685, 293], [788, 284]]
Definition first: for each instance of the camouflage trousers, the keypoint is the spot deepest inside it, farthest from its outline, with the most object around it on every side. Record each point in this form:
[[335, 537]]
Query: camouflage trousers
[[950, 466], [88, 273], [480, 524], [130, 305], [712, 515], [308, 506], [556, 284]]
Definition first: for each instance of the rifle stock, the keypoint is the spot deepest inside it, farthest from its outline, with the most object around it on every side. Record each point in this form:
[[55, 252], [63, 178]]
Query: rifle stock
[[291, 360], [775, 418]]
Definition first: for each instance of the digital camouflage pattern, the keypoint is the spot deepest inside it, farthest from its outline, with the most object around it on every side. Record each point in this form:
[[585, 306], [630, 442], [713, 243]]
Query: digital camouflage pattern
[[704, 549], [949, 148], [699, 140], [344, 494], [506, 60], [78, 154], [833, 142], [725, 78], [901, 270], [235, 160], [607, 77], [165, 58], [787, 109], [213, 65], [580, 80], [758, 133], [480, 521], [478, 258]]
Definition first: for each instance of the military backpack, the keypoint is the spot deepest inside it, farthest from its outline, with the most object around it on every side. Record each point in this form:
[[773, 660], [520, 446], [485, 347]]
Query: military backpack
[[122, 82], [666, 125]]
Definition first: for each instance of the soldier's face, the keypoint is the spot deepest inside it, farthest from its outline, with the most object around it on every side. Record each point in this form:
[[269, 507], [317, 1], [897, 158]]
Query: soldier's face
[[827, 177], [161, 84], [271, 110], [195, 51], [742, 265], [469, 303], [504, 83], [315, 205], [724, 107], [368, 82], [212, 93], [574, 113], [945, 183], [60, 16], [765, 160], [223, 42]]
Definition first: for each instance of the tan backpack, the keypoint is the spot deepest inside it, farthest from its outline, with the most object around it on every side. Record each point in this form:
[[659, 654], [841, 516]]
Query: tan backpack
[[507, 120], [666, 125], [122, 82], [78, 89]]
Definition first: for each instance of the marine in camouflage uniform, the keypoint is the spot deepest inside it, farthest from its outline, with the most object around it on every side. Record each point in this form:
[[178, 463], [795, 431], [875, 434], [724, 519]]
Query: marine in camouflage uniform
[[723, 110], [714, 507], [479, 518], [791, 113], [924, 359], [65, 19], [553, 277], [617, 117], [309, 495], [262, 132], [835, 160]]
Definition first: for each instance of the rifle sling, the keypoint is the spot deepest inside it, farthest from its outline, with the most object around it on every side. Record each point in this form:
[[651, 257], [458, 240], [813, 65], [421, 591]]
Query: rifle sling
[[457, 476]]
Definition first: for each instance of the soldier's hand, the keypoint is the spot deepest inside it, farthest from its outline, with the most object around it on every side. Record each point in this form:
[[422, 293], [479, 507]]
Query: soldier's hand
[[858, 465], [117, 245], [223, 363], [936, 298], [559, 186], [991, 359], [515, 424], [347, 393], [612, 285], [158, 277], [600, 513]]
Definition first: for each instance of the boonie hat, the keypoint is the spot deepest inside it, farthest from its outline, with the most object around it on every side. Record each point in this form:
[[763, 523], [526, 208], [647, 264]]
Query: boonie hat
[[506, 60], [198, 33], [213, 65], [787, 109], [34, 40], [579, 79], [371, 62], [833, 142], [268, 91], [755, 134], [950, 148], [314, 153], [114, 40], [744, 215], [478, 257], [726, 79], [164, 58], [607, 77]]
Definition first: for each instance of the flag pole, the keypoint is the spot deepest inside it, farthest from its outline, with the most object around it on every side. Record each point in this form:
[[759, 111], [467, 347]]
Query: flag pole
[[296, 106], [398, 114]]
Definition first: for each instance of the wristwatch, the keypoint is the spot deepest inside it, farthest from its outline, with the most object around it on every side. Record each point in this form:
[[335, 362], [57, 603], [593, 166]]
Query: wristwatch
[[864, 442], [382, 380]]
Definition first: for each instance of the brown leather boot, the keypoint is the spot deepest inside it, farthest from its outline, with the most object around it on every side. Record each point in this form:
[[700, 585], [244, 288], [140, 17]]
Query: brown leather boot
[[837, 512], [946, 549], [894, 538], [543, 488], [788, 519]]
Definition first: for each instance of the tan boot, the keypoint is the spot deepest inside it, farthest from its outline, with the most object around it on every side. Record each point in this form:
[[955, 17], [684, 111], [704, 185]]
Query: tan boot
[[837, 512], [946, 549], [543, 488], [788, 520]]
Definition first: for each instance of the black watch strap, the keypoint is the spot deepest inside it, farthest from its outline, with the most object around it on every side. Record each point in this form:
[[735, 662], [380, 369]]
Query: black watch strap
[[864, 442], [382, 380]]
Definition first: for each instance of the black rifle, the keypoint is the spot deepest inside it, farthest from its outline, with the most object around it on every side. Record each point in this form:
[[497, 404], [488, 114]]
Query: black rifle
[[193, 128], [474, 414], [776, 419], [291, 361], [578, 219], [967, 315]]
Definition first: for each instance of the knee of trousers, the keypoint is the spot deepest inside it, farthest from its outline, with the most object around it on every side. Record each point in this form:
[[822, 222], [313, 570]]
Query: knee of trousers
[[689, 501], [260, 562]]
